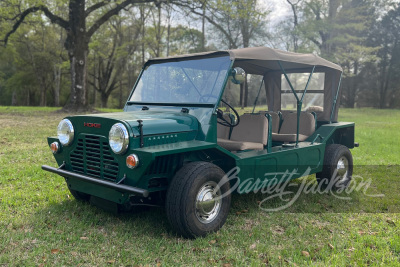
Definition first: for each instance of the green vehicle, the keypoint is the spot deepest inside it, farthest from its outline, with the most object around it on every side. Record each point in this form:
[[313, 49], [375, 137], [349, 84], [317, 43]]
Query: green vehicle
[[197, 127]]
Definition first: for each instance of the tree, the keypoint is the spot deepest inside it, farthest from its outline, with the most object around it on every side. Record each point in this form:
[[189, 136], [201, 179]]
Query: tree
[[237, 23], [110, 58], [34, 55], [184, 40], [338, 29], [82, 22], [293, 5], [386, 34]]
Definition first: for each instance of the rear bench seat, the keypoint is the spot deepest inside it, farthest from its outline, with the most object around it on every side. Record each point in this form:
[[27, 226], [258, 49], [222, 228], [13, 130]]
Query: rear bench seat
[[251, 133], [287, 132], [275, 120]]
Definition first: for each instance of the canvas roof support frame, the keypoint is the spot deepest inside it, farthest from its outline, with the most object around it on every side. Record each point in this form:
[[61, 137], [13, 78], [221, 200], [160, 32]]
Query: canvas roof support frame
[[335, 99], [299, 101]]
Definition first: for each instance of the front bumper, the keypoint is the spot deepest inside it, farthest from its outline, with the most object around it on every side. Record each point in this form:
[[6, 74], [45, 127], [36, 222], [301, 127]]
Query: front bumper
[[111, 185]]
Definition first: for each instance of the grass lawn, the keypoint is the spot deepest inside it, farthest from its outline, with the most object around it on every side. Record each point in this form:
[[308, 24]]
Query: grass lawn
[[41, 223]]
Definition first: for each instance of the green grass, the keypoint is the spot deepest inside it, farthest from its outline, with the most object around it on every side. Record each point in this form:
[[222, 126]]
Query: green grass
[[41, 224]]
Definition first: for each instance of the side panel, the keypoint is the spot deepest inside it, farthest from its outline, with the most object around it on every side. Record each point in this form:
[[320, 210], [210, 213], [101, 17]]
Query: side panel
[[282, 164], [335, 133]]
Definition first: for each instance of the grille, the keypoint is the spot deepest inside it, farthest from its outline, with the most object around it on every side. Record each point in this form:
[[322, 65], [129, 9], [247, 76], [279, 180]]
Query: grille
[[164, 165], [92, 156]]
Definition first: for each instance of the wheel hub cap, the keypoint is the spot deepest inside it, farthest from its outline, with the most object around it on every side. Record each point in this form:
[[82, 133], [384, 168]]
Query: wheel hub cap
[[342, 168], [208, 203]]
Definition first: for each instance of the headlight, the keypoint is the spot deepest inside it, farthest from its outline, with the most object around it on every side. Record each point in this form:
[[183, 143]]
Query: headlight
[[65, 132], [118, 138]]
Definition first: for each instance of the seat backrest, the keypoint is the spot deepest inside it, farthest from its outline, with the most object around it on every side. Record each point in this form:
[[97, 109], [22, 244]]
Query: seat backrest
[[286, 112], [252, 128], [223, 131], [275, 121], [289, 124]]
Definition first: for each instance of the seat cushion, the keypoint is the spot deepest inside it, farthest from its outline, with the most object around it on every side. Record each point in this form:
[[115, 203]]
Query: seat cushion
[[288, 137], [239, 145], [289, 125], [252, 128]]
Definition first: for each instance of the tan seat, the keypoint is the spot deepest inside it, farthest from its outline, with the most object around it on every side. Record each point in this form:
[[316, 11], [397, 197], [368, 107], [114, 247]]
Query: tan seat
[[251, 133], [275, 120], [239, 145], [288, 130]]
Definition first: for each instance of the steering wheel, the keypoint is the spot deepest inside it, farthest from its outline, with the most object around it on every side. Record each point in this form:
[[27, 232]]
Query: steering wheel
[[220, 116]]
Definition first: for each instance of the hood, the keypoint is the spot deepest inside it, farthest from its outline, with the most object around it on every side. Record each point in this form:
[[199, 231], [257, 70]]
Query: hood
[[154, 122]]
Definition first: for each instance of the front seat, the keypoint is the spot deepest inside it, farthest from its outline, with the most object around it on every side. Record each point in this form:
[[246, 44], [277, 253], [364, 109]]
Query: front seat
[[250, 134]]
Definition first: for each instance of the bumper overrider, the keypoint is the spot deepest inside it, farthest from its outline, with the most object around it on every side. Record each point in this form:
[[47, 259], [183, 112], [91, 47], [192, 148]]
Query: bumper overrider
[[111, 185]]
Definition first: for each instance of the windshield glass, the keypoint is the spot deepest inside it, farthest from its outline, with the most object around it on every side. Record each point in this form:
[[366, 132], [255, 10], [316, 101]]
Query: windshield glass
[[189, 81]]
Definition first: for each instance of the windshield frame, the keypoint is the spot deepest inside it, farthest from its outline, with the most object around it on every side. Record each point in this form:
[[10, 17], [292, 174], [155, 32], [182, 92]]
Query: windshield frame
[[214, 104]]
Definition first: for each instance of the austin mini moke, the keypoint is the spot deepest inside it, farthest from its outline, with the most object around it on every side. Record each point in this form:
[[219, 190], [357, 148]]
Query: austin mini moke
[[192, 119]]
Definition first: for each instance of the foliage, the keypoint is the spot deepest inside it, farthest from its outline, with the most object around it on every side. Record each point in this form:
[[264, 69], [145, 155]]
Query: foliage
[[359, 35]]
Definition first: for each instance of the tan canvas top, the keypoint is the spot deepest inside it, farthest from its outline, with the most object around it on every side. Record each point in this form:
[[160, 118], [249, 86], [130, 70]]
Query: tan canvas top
[[258, 60]]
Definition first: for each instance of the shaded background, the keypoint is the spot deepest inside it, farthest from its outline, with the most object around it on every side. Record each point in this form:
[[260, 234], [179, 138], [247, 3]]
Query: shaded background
[[360, 35]]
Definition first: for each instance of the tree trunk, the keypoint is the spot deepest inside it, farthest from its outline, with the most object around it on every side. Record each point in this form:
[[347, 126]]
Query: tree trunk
[[158, 35], [246, 92], [168, 30], [43, 92], [14, 98], [57, 85], [77, 44], [383, 78], [142, 20], [121, 96], [353, 88], [104, 100], [295, 25], [28, 96], [203, 26]]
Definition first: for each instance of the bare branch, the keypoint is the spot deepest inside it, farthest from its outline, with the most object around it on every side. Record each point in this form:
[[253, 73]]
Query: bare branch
[[95, 7], [53, 18], [112, 12], [315, 41], [210, 20]]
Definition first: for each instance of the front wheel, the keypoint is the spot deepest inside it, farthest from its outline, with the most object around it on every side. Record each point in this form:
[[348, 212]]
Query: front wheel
[[338, 167], [198, 199]]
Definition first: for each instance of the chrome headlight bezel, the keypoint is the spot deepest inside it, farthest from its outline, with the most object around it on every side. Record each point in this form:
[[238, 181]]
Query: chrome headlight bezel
[[67, 136], [118, 131]]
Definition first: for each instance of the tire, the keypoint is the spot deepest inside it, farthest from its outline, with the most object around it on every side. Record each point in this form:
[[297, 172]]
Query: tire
[[79, 195], [187, 214], [338, 167]]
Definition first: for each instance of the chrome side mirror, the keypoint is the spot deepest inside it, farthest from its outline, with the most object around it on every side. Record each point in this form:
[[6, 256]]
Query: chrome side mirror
[[238, 75]]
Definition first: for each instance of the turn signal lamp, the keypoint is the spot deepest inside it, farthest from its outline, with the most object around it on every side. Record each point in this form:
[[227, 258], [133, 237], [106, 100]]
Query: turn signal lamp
[[132, 161], [55, 147]]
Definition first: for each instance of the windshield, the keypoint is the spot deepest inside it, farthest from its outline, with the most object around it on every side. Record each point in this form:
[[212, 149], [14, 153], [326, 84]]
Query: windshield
[[189, 81]]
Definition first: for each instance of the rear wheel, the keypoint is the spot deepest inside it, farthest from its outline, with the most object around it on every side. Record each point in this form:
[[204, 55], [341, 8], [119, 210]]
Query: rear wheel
[[338, 167], [196, 203]]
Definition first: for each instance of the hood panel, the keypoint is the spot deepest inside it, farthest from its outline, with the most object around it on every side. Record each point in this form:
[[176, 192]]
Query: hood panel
[[154, 122]]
